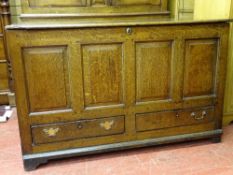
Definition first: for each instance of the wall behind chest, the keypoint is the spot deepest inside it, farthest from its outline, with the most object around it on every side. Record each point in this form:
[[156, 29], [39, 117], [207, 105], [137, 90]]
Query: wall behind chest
[[217, 9], [220, 9], [229, 87]]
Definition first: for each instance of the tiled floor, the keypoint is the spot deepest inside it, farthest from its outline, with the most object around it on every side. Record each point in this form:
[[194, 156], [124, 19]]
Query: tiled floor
[[196, 158]]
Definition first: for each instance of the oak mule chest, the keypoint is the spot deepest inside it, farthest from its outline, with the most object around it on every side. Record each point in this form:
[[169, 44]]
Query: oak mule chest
[[85, 88]]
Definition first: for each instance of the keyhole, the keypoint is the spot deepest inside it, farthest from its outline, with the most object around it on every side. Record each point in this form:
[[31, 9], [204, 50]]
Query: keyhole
[[129, 30]]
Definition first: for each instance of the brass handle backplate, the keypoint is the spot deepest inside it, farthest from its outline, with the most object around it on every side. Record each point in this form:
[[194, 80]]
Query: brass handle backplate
[[107, 125], [51, 132], [196, 117]]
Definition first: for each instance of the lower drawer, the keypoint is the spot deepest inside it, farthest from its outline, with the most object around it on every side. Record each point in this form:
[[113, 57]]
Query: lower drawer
[[77, 130], [4, 77], [160, 120]]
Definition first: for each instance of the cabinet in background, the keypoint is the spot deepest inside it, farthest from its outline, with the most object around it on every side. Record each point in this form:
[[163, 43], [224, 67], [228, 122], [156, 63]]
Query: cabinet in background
[[76, 11], [5, 75]]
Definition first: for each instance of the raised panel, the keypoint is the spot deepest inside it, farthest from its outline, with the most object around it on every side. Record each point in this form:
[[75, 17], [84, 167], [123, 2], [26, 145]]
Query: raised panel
[[46, 71], [1, 28], [99, 2], [102, 74], [136, 2], [2, 50], [153, 70], [3, 77], [56, 3], [200, 67]]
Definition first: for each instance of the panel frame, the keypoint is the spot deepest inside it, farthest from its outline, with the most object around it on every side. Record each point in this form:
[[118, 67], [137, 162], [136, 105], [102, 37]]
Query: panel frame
[[215, 66], [122, 83], [140, 34], [66, 80], [30, 4], [155, 99], [228, 108], [4, 83], [118, 37], [206, 100], [155, 34], [2, 49], [222, 33], [25, 117], [158, 2], [73, 108]]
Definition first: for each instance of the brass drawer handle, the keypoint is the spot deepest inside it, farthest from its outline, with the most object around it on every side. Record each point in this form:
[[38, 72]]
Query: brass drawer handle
[[203, 115], [51, 132], [107, 125], [129, 30]]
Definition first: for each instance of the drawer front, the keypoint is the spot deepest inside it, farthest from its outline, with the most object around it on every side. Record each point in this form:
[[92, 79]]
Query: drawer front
[[2, 50], [56, 3], [4, 77], [160, 120], [77, 130], [136, 2]]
